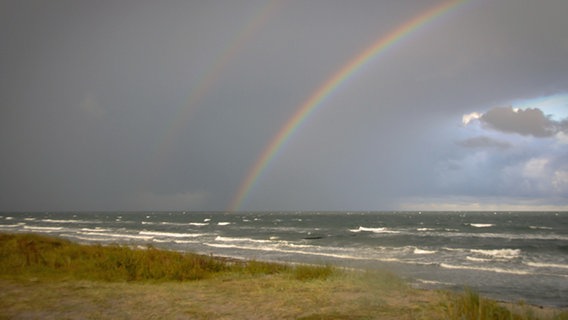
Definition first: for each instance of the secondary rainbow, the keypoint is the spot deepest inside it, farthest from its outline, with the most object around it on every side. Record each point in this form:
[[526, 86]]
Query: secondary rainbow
[[252, 26], [317, 98]]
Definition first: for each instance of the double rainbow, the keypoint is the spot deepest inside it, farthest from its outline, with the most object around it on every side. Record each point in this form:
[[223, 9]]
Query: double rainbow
[[327, 89], [260, 17]]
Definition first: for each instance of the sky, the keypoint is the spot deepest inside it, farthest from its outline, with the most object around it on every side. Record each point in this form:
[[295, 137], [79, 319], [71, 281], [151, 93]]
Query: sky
[[145, 105]]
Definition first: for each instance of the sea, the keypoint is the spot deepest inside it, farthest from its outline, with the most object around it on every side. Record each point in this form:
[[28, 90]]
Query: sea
[[508, 256]]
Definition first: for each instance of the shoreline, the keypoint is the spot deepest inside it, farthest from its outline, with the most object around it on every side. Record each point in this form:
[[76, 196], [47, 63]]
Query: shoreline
[[245, 289]]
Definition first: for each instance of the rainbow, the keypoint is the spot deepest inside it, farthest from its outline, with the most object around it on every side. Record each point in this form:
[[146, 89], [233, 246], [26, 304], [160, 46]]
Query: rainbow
[[255, 23], [317, 98]]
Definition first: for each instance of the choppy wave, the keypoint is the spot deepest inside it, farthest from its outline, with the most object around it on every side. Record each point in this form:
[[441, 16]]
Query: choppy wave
[[373, 230], [170, 234], [232, 239], [301, 252], [61, 221], [119, 235], [11, 226], [489, 269], [547, 265], [481, 225], [540, 228], [43, 229], [499, 253], [422, 251]]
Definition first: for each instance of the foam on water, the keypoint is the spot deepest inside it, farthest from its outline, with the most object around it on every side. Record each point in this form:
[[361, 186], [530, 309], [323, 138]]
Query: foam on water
[[422, 251], [547, 265], [373, 230], [489, 269], [170, 234], [499, 253], [481, 225], [43, 229]]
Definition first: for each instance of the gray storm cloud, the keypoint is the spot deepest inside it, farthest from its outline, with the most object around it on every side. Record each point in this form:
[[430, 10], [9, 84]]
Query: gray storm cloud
[[527, 122], [138, 105]]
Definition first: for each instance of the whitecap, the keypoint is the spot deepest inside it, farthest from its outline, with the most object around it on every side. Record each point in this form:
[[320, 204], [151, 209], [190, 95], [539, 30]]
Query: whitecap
[[223, 223], [198, 224], [547, 265], [43, 228], [477, 259], [115, 235], [422, 251], [499, 253], [231, 239], [540, 228], [497, 270], [373, 230], [170, 234], [481, 225], [11, 225]]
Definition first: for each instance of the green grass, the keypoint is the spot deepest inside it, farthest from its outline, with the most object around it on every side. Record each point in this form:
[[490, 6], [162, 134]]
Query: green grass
[[470, 305], [31, 255]]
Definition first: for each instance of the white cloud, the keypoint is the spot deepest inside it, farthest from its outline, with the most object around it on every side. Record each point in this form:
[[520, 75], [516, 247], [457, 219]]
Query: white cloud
[[562, 138], [560, 181], [467, 118], [535, 168]]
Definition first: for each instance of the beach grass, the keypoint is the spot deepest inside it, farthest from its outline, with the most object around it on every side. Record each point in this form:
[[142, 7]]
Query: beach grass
[[51, 278]]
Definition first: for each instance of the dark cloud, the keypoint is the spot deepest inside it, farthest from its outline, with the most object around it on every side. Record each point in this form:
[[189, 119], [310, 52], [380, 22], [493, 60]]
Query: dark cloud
[[137, 105], [484, 142], [529, 122]]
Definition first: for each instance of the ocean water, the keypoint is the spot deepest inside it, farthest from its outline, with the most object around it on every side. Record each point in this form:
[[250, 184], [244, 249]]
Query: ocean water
[[509, 256]]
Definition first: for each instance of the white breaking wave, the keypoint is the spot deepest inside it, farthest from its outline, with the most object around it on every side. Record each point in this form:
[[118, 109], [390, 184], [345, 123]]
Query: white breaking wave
[[61, 221], [90, 239], [432, 282], [170, 234], [222, 223], [231, 239], [422, 251], [373, 230], [95, 230], [478, 259], [174, 241], [276, 249], [498, 270], [43, 228], [547, 265], [540, 228], [11, 225], [499, 253], [115, 235], [481, 225]]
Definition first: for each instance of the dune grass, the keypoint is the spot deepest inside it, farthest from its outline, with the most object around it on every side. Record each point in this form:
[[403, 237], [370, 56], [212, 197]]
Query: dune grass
[[54, 258], [50, 278]]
